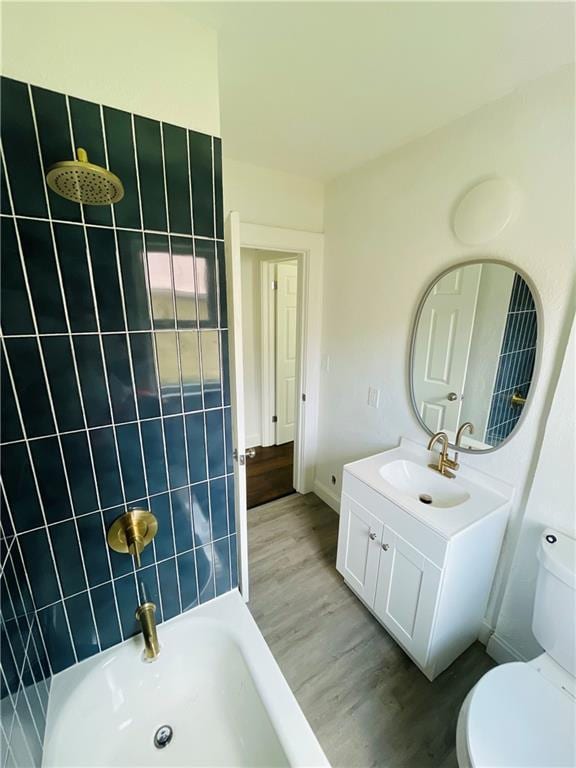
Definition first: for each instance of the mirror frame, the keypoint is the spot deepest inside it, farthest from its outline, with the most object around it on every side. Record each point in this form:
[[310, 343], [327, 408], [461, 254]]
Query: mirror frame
[[537, 360]]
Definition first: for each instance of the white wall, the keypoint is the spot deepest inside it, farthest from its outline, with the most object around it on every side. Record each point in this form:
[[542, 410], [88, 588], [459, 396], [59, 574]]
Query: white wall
[[552, 503], [252, 346], [146, 58], [273, 198], [388, 235]]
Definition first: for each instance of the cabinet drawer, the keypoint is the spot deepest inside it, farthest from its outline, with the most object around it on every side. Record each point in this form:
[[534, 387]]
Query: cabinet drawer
[[428, 542]]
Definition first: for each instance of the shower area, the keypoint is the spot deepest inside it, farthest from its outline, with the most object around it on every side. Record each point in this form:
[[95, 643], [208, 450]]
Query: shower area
[[115, 388]]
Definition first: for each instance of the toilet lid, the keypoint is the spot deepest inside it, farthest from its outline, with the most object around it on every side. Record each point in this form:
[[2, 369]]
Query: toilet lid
[[518, 719]]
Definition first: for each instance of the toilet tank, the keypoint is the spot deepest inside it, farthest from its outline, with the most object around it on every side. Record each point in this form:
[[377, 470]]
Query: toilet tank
[[554, 618]]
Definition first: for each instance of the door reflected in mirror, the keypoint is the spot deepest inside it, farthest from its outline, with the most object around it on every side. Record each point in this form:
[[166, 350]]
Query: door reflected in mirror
[[474, 347]]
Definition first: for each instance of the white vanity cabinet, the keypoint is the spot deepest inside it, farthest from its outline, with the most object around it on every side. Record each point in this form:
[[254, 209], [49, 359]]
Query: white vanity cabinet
[[428, 590]]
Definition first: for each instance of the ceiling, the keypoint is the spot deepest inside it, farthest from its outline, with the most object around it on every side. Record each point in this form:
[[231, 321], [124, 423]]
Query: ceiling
[[318, 88]]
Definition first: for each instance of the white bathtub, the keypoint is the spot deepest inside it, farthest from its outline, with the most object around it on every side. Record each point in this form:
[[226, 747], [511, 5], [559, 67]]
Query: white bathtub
[[215, 683]]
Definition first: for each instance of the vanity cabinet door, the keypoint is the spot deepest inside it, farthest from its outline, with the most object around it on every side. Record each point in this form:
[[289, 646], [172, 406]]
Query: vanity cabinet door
[[406, 593], [359, 539]]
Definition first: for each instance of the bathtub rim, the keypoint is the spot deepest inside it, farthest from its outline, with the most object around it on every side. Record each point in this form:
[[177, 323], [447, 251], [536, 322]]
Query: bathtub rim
[[229, 610]]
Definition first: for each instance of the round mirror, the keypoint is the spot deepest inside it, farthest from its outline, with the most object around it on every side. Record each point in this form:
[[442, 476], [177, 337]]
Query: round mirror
[[474, 348]]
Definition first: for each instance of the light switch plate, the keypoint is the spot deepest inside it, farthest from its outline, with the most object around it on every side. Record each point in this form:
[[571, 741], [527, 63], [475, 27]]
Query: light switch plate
[[373, 397]]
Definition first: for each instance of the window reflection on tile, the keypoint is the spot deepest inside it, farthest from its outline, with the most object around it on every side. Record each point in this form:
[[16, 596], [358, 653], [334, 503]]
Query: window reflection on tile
[[222, 566], [190, 362], [184, 281], [176, 452], [145, 375], [201, 514], [211, 369], [205, 565], [188, 582], [206, 279], [169, 373], [182, 514], [133, 268], [169, 588], [160, 280]]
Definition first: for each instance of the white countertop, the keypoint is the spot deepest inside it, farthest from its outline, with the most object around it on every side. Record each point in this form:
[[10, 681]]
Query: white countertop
[[486, 494]]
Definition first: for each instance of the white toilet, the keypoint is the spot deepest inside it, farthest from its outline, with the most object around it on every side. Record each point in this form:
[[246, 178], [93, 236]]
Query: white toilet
[[523, 715]]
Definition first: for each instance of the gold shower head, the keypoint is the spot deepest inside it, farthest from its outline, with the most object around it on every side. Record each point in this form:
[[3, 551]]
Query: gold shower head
[[84, 182]]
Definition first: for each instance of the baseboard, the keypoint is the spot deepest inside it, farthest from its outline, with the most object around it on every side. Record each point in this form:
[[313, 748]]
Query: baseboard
[[327, 495], [486, 632], [501, 651], [253, 441]]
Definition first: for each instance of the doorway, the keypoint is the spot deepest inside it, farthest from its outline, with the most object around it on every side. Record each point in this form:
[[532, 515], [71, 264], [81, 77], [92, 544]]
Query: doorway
[[308, 250], [270, 332]]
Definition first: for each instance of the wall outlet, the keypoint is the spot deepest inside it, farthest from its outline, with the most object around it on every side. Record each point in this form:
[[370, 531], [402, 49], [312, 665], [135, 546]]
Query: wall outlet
[[326, 363], [373, 397]]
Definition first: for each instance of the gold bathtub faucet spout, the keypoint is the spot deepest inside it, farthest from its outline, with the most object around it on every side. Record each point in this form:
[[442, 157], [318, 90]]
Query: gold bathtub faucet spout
[[146, 615]]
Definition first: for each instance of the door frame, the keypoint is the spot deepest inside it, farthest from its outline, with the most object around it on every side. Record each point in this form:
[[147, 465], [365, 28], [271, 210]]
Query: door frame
[[307, 248], [268, 344]]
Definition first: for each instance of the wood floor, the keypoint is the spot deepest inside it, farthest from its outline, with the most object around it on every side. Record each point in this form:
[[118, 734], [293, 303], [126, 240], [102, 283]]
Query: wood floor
[[269, 474], [366, 701]]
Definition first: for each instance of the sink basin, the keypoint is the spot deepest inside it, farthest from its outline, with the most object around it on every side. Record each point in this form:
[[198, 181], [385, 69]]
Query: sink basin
[[423, 484], [447, 505]]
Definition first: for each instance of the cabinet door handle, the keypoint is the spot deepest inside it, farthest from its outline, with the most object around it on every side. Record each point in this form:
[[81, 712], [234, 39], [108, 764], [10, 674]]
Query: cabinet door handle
[[372, 535], [385, 547]]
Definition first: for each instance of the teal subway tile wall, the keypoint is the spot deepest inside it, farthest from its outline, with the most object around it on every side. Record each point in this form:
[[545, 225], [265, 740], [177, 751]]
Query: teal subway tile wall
[[515, 364], [115, 389]]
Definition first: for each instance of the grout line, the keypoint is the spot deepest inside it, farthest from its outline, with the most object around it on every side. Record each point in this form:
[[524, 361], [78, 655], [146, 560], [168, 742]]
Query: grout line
[[47, 381], [9, 758], [18, 586], [9, 696], [198, 345], [515, 351], [35, 684], [144, 567], [512, 388], [26, 576], [178, 354], [102, 510], [9, 545], [130, 363], [16, 396], [152, 337], [203, 396], [213, 558], [108, 226], [88, 429], [43, 362], [16, 717], [33, 641], [130, 332], [138, 421], [21, 690]]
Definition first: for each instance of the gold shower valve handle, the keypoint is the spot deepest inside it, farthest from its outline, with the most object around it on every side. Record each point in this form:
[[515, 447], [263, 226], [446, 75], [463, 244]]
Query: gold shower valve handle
[[132, 532]]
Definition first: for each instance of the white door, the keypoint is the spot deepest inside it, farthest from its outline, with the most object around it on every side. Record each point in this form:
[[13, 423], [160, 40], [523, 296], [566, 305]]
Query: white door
[[234, 288], [406, 593], [443, 347], [359, 538], [286, 331]]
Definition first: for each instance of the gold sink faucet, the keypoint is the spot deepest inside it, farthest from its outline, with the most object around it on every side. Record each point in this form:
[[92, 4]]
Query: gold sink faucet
[[147, 618], [467, 425], [445, 464]]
